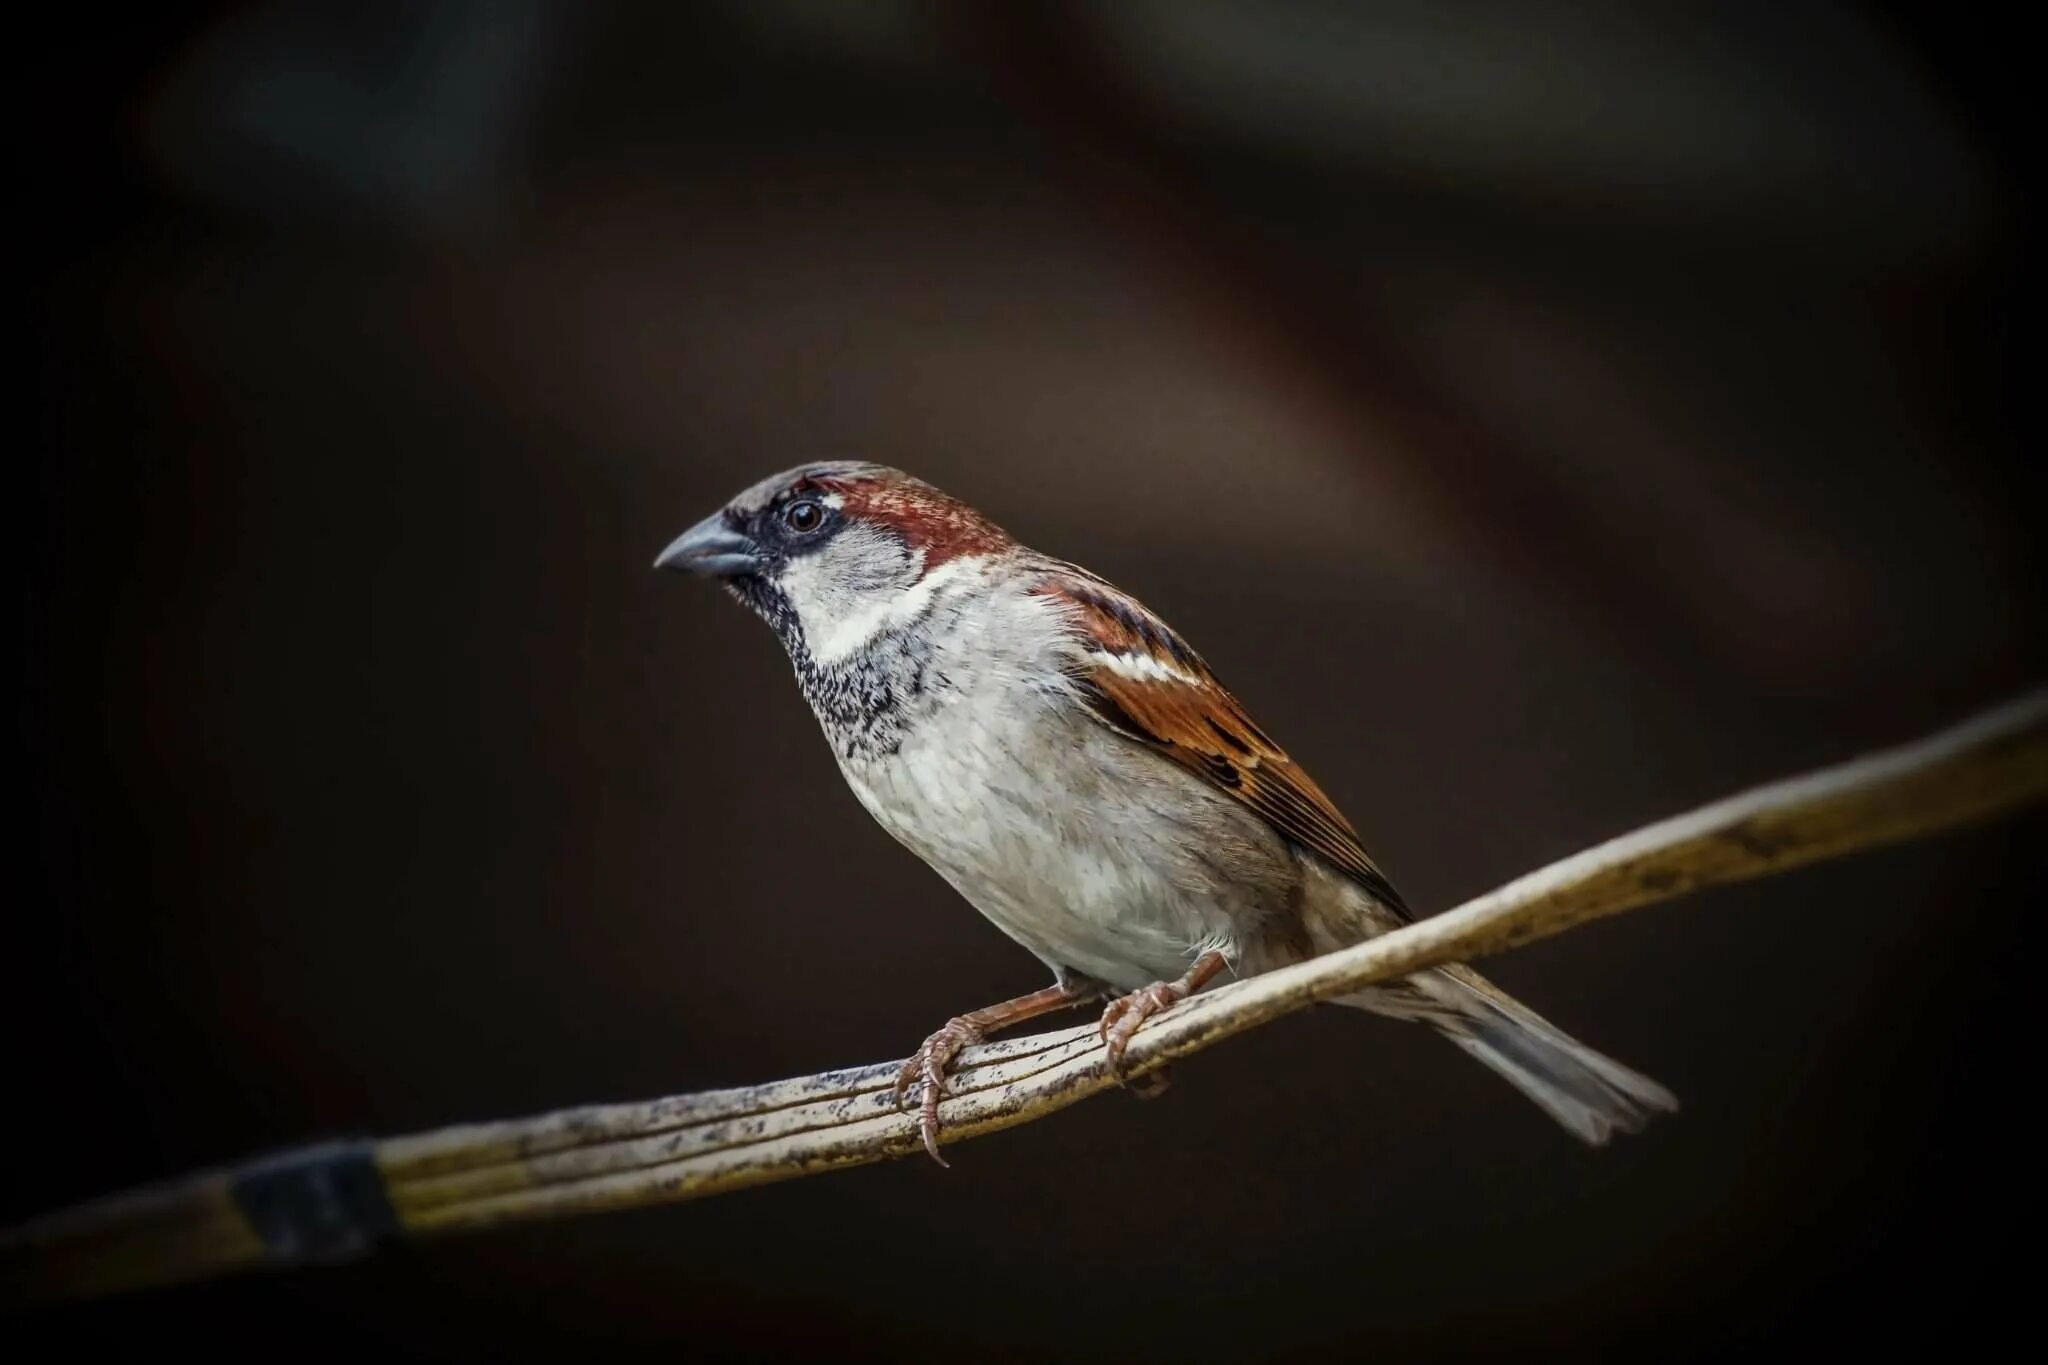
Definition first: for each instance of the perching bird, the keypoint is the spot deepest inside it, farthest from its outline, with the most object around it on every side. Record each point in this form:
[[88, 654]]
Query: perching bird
[[1073, 768]]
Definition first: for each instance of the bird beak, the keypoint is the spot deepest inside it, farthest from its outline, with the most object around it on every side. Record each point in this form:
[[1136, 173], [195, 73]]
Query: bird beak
[[713, 548]]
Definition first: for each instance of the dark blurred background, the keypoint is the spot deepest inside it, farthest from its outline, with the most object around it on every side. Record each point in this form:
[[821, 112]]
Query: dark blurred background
[[1547, 418]]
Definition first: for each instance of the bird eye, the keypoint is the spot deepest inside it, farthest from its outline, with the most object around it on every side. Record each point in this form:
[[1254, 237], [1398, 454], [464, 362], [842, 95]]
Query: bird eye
[[803, 516]]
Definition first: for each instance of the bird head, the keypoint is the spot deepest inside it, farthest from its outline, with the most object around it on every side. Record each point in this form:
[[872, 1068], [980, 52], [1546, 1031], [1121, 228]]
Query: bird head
[[832, 554]]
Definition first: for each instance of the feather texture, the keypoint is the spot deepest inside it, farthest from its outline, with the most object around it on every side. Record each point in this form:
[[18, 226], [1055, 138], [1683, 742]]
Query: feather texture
[[1142, 680]]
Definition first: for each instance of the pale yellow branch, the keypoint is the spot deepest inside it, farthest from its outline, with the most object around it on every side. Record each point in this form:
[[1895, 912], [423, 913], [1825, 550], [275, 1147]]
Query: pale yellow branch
[[616, 1156]]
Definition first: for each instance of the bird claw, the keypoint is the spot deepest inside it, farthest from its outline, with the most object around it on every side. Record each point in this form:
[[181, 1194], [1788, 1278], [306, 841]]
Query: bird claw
[[926, 1068], [1151, 1085], [1127, 1014]]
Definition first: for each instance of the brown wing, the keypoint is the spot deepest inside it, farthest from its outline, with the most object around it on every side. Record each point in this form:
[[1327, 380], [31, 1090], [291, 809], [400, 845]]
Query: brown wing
[[1143, 681]]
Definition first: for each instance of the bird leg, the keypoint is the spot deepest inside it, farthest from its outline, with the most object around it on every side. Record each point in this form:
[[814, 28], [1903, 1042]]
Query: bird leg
[[1127, 1012], [927, 1066]]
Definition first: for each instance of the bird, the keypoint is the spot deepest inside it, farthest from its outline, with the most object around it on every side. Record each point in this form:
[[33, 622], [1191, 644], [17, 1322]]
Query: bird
[[1075, 770]]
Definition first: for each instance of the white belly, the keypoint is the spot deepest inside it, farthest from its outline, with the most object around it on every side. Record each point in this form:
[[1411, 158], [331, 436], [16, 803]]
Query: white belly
[[1098, 855]]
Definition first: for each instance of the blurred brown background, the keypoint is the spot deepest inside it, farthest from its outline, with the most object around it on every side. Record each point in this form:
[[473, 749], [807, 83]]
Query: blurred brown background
[[1546, 417]]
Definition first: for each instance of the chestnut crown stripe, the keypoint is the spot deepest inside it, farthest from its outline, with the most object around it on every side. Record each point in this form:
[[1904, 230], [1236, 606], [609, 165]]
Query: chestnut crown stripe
[[1141, 679], [942, 526]]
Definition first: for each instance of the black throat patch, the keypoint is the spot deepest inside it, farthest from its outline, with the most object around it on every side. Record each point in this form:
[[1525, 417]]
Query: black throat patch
[[860, 700]]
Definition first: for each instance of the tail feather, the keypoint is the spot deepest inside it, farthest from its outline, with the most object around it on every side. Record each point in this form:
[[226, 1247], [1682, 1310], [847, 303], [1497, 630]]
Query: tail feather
[[1592, 1095]]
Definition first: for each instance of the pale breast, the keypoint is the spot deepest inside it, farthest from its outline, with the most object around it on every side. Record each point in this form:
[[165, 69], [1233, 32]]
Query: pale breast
[[1094, 853]]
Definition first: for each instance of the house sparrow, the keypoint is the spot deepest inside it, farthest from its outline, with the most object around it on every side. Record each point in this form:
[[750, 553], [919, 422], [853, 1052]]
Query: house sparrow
[[1073, 768]]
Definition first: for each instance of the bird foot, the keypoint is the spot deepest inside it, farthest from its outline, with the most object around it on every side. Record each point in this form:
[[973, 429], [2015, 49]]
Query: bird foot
[[1127, 1013], [926, 1068]]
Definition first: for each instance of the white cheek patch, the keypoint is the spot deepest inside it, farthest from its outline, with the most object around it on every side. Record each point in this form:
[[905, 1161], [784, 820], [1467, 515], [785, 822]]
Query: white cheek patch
[[863, 585], [1142, 667]]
